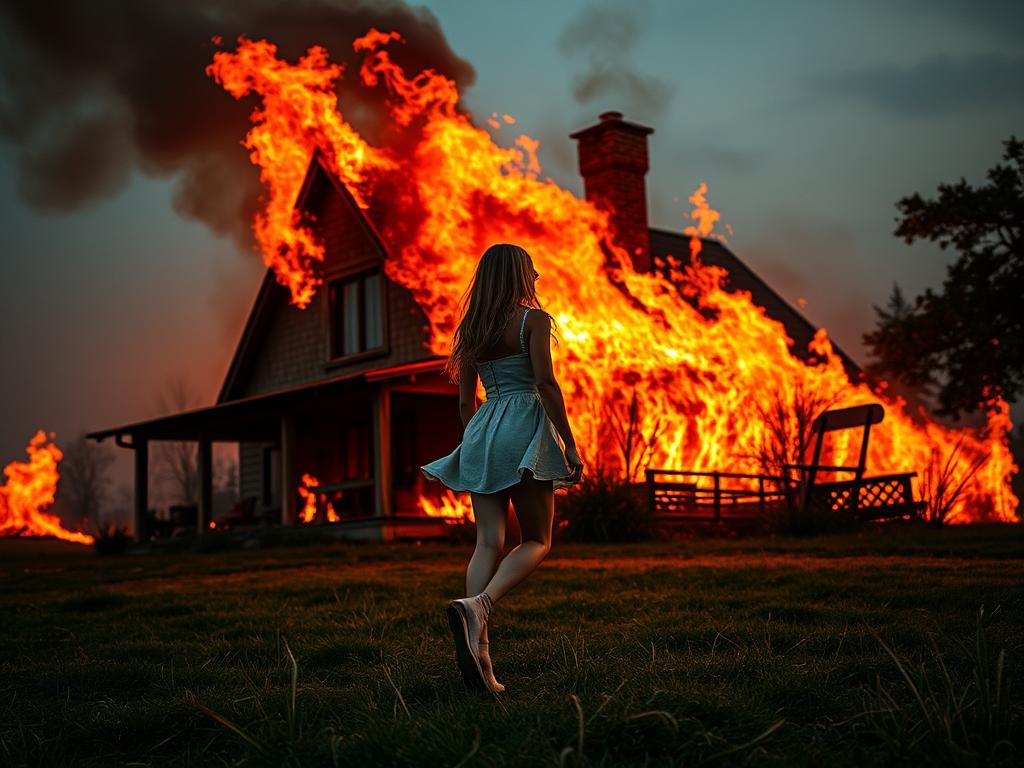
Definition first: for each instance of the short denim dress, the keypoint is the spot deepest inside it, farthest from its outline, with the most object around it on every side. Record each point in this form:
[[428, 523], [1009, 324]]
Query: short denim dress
[[510, 433]]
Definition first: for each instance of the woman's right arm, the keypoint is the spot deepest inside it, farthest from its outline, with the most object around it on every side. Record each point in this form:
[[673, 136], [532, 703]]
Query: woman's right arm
[[547, 385]]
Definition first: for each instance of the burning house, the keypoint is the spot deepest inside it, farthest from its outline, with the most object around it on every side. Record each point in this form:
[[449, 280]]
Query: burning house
[[335, 394], [335, 406]]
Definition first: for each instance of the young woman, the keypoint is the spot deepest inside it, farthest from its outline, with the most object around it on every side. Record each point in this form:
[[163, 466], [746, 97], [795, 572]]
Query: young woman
[[517, 446]]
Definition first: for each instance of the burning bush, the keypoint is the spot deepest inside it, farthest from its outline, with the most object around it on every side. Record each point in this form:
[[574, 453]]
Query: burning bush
[[30, 488]]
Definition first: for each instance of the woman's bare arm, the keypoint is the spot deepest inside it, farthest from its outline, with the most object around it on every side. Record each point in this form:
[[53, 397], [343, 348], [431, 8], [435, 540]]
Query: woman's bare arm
[[467, 393], [539, 324]]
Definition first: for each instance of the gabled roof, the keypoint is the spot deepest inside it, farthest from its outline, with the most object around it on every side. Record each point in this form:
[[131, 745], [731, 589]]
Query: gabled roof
[[743, 278], [257, 313], [663, 243], [270, 291]]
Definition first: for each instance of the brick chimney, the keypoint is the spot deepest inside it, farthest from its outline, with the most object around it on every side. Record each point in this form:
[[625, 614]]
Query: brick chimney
[[613, 163]]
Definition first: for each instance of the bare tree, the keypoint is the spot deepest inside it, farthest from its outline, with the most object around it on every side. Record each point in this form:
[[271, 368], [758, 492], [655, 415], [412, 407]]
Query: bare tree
[[84, 481], [225, 472], [635, 432], [179, 460], [787, 421], [225, 484]]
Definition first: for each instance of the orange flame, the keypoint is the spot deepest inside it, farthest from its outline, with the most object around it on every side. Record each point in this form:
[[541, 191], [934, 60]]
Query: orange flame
[[701, 359], [454, 508], [31, 487], [308, 512]]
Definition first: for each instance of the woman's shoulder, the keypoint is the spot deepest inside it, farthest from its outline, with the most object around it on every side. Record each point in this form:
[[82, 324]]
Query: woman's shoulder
[[535, 312], [537, 317]]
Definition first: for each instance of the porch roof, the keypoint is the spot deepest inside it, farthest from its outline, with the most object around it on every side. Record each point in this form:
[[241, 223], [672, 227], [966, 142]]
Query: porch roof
[[256, 417]]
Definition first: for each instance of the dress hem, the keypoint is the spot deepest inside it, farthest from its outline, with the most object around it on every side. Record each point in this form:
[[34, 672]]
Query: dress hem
[[559, 482]]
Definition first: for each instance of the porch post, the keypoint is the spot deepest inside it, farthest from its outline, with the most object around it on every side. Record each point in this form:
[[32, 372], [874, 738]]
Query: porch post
[[205, 485], [141, 447], [289, 509], [382, 452]]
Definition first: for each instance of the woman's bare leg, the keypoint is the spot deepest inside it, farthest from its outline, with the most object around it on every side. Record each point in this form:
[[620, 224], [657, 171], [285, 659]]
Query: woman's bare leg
[[491, 513], [534, 503]]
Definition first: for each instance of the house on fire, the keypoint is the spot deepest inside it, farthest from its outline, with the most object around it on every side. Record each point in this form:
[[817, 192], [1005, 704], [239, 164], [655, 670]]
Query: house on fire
[[347, 391]]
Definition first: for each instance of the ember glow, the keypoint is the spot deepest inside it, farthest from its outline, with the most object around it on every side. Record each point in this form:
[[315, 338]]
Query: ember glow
[[704, 362], [30, 488]]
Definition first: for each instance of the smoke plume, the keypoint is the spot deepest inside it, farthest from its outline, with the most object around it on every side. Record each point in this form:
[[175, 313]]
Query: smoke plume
[[604, 35], [92, 92]]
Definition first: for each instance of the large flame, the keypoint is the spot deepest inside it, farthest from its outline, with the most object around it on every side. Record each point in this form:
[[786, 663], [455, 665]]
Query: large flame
[[705, 364], [31, 487]]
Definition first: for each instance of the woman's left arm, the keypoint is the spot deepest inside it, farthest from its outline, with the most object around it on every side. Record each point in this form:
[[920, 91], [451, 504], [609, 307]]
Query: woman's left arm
[[467, 393]]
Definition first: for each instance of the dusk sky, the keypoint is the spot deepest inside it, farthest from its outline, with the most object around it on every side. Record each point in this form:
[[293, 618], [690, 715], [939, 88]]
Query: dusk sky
[[808, 121]]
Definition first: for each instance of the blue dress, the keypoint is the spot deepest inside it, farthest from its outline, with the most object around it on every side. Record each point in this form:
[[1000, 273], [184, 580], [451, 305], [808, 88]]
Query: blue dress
[[510, 433]]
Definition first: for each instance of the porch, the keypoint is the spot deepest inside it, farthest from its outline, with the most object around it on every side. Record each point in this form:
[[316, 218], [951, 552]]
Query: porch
[[343, 453]]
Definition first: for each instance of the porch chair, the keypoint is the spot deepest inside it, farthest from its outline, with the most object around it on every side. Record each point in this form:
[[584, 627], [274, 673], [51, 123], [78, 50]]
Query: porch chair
[[880, 497]]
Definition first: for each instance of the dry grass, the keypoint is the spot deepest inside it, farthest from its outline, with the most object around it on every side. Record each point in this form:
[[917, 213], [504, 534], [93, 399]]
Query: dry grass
[[732, 652]]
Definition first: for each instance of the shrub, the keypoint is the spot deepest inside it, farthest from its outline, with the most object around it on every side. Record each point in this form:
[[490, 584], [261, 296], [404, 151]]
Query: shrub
[[111, 539], [944, 480], [787, 518], [604, 508]]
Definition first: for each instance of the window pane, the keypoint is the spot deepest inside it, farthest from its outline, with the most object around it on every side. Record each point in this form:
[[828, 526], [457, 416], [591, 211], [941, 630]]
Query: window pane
[[374, 323], [350, 315]]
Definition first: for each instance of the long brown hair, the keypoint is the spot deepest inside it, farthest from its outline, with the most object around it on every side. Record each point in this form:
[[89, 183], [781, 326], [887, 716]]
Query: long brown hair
[[502, 282]]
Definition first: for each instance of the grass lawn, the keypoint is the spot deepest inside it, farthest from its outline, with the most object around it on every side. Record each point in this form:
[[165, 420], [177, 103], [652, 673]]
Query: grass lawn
[[718, 652]]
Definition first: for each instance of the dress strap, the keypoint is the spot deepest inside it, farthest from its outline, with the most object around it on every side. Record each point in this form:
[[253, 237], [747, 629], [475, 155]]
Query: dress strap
[[522, 329]]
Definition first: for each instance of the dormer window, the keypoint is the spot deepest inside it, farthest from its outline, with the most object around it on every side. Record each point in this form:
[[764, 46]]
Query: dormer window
[[356, 313]]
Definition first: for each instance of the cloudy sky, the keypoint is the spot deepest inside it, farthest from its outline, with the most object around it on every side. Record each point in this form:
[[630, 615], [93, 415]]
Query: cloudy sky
[[808, 120]]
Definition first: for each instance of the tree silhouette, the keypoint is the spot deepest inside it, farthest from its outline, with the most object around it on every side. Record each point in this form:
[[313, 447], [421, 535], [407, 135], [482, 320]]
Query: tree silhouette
[[178, 460], [964, 344], [84, 479]]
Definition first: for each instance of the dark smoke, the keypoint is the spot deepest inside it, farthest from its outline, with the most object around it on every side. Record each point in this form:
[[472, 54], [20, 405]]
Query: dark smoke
[[605, 35], [90, 92]]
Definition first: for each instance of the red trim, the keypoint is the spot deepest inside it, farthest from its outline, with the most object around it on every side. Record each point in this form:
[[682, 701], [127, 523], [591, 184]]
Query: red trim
[[434, 364]]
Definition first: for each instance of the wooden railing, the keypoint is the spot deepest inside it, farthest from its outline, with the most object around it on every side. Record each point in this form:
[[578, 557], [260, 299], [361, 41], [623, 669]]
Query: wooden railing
[[322, 491], [713, 496]]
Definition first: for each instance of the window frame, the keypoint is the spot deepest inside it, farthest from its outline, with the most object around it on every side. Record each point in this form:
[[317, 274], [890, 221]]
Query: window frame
[[333, 286]]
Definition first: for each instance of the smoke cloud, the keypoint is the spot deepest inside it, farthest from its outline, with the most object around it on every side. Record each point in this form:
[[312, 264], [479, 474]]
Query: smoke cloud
[[604, 36], [92, 92]]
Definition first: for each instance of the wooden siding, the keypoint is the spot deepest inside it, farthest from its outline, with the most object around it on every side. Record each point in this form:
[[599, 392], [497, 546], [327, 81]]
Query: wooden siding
[[250, 472], [290, 345]]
